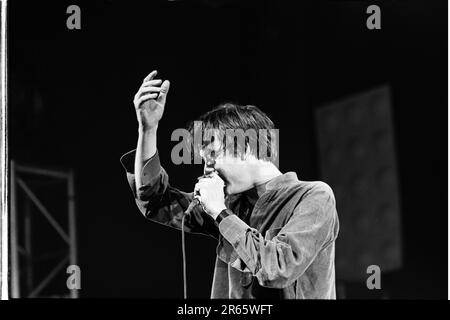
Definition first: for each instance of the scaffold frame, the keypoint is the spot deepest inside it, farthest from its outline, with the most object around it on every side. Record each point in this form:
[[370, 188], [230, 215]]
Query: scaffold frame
[[18, 183]]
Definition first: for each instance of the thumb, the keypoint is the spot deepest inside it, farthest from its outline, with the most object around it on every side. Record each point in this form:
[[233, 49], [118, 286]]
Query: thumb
[[164, 90]]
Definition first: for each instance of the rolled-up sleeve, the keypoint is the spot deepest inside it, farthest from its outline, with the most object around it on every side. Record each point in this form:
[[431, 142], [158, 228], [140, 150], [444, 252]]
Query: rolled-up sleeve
[[151, 172], [282, 255], [160, 202]]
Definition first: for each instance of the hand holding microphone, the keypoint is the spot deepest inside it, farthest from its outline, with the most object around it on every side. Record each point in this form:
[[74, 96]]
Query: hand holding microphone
[[209, 192]]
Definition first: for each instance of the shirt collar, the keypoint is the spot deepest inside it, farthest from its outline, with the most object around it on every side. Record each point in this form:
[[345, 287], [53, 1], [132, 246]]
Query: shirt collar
[[274, 183], [281, 180]]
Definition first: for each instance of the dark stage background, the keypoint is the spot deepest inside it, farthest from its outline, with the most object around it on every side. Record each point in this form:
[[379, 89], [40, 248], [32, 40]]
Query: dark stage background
[[71, 106]]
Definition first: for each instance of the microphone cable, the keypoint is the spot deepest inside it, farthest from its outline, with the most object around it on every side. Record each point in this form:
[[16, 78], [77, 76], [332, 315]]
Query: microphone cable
[[195, 202], [188, 211], [183, 249]]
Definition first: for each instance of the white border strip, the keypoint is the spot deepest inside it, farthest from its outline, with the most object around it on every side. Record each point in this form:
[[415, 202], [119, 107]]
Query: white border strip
[[4, 157]]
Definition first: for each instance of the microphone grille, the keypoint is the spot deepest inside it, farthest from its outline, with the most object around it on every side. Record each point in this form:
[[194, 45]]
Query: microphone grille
[[209, 168]]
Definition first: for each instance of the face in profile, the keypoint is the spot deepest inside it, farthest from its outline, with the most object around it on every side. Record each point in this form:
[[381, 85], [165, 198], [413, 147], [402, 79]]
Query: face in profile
[[234, 171]]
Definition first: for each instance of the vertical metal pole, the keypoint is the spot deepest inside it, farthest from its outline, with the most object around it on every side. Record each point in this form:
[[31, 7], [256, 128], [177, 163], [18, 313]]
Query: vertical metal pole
[[15, 287], [3, 157], [72, 225], [28, 246]]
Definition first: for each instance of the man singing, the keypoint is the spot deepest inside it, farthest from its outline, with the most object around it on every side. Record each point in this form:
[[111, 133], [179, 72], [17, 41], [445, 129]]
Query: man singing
[[276, 234]]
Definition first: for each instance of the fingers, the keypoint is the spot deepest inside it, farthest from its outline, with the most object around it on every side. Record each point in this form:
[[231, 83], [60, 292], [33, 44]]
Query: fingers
[[205, 182], [152, 89], [151, 83], [150, 76], [144, 98], [143, 90], [199, 186], [164, 90], [214, 176], [148, 96], [146, 93]]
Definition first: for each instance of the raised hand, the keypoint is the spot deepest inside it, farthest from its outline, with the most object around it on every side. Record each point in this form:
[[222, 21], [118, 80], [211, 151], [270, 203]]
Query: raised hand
[[150, 101]]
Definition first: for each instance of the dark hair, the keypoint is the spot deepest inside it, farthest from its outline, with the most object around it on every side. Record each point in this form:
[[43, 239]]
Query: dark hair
[[243, 118]]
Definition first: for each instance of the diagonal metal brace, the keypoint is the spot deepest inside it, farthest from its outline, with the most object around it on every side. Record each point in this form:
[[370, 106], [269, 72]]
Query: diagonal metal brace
[[43, 210]]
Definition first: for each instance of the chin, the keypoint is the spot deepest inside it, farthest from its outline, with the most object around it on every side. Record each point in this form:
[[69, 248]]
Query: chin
[[229, 190]]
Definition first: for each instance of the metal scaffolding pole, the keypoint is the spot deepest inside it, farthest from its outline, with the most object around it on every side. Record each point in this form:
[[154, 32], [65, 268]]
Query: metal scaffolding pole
[[72, 224], [19, 184], [28, 246], [15, 287], [3, 156]]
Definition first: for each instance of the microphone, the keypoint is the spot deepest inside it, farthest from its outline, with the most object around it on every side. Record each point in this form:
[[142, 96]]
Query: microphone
[[209, 168]]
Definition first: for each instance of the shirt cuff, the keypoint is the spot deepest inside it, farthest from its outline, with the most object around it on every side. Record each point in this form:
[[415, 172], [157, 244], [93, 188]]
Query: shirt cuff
[[223, 214], [150, 170], [232, 228]]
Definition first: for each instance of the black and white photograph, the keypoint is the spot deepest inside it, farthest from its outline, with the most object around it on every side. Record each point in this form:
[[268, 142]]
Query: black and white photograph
[[241, 152]]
